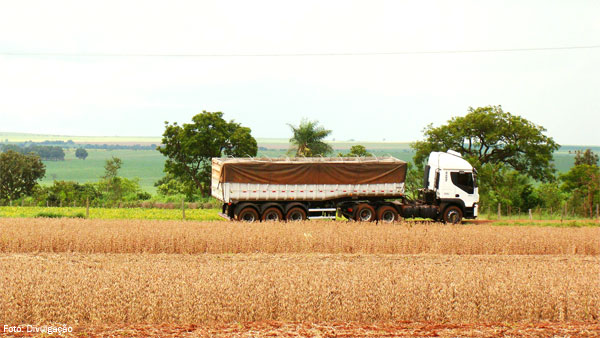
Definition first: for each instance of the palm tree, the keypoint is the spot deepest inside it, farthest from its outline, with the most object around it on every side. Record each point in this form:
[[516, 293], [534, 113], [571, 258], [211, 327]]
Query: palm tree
[[308, 139]]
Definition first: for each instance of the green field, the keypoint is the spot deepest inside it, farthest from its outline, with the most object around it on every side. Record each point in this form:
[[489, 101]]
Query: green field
[[147, 165], [112, 213]]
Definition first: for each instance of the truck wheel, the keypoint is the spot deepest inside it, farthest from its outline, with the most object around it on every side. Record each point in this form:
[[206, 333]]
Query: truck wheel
[[387, 214], [248, 214], [295, 214], [272, 214], [453, 214], [364, 213]]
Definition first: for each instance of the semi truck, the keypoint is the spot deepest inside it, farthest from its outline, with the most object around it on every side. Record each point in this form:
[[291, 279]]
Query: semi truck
[[362, 189]]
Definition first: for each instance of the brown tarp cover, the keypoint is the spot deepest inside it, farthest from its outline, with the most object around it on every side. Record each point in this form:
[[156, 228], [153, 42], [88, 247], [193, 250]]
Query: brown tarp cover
[[388, 170]]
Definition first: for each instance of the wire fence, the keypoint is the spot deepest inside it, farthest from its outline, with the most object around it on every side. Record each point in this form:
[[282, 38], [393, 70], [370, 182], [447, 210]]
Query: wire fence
[[111, 204], [566, 212], [486, 212]]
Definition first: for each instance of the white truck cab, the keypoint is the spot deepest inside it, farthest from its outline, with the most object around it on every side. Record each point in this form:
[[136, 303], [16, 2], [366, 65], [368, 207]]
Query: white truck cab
[[454, 182]]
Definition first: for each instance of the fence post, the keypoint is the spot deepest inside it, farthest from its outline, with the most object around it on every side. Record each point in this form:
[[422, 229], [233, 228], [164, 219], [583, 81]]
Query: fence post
[[499, 211], [87, 207], [530, 216], [183, 208]]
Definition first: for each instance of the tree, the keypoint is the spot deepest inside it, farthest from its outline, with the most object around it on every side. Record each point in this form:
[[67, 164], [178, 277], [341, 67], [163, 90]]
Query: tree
[[357, 151], [498, 183], [583, 182], [19, 174], [308, 139], [46, 153], [490, 135], [122, 189], [190, 147], [13, 147], [170, 185], [413, 181], [586, 157], [112, 183], [551, 196], [66, 193], [111, 168], [81, 153]]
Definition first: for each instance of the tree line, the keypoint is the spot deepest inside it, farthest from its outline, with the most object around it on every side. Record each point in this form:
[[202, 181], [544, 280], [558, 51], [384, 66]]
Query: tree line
[[512, 155], [70, 144], [46, 153]]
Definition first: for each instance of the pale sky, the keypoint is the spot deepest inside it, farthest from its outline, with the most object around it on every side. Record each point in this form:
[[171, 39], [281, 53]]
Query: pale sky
[[50, 84]]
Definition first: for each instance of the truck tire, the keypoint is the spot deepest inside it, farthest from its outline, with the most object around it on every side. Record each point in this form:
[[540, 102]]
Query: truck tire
[[452, 214], [248, 214], [272, 214], [364, 213], [387, 214], [295, 214]]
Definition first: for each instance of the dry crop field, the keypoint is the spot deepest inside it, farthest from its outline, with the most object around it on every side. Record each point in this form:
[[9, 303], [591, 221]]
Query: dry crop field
[[167, 278], [185, 237]]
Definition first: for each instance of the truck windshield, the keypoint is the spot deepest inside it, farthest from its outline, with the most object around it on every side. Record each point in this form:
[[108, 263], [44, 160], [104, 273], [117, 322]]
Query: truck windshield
[[464, 181]]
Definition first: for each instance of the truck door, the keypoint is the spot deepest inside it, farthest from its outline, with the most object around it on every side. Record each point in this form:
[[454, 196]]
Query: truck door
[[465, 187]]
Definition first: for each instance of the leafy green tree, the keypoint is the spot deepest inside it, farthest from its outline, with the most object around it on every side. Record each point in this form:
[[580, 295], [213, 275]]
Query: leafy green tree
[[81, 153], [414, 181], [66, 193], [357, 151], [586, 157], [551, 195], [307, 139], [46, 153], [170, 185], [583, 183], [111, 168], [19, 174], [498, 183], [190, 147], [112, 184], [122, 189], [488, 135]]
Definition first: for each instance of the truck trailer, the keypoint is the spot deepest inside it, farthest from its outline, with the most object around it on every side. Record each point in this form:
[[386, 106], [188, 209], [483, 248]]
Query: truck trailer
[[363, 189]]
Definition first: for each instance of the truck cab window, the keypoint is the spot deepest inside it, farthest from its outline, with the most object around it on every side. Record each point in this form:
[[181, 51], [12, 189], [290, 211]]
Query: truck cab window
[[464, 181]]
